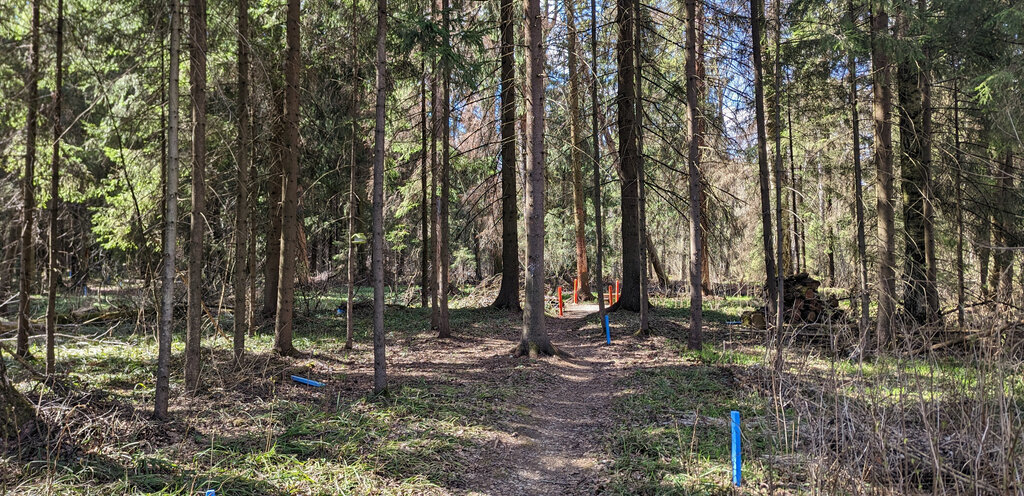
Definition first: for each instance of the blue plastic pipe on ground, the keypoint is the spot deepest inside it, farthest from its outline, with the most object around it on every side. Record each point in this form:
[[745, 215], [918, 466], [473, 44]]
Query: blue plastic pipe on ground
[[737, 457], [607, 330], [309, 382]]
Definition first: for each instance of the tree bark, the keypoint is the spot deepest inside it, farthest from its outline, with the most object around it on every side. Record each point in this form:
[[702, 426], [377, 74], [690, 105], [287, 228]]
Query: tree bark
[[756, 27], [289, 204], [1003, 232], [17, 415], [858, 193], [54, 269], [380, 378], [163, 367], [882, 110], [28, 191], [695, 338], [535, 339], [508, 294], [628, 158], [958, 157], [576, 155], [640, 176], [352, 199], [443, 324], [596, 157], [197, 218], [424, 206], [242, 201], [913, 178]]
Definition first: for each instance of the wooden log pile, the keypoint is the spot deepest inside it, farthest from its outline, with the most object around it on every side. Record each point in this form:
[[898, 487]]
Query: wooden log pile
[[802, 304]]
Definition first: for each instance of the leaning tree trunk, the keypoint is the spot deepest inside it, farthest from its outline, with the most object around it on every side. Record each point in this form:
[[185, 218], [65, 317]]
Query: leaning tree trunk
[[696, 336], [163, 361], [508, 294], [197, 78], [535, 339], [289, 205], [28, 191], [576, 156], [380, 378], [54, 270], [242, 201], [882, 104], [756, 26]]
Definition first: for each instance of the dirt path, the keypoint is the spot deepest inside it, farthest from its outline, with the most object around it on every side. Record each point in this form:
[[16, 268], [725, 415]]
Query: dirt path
[[557, 448]]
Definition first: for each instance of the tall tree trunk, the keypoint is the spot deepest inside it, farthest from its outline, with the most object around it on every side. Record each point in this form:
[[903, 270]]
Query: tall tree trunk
[[914, 177], [352, 200], [576, 155], [28, 190], [794, 198], [424, 206], [695, 338], [272, 265], [628, 158], [380, 378], [931, 265], [706, 286], [1001, 277], [882, 110], [640, 174], [779, 185], [858, 194], [435, 310], [596, 157], [242, 201], [756, 30], [197, 219], [289, 185], [508, 294], [958, 157], [443, 324], [163, 367], [54, 269], [535, 339]]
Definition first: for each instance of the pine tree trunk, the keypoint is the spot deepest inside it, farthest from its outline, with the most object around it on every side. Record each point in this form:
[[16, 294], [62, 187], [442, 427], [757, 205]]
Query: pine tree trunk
[[28, 191], [54, 269], [640, 172], [1003, 232], [535, 339], [695, 338], [882, 109], [352, 200], [380, 378], [444, 259], [240, 285], [931, 264], [628, 158], [596, 156], [958, 157], [508, 294], [913, 179], [272, 266], [163, 367], [756, 28], [197, 219], [289, 205], [576, 155], [858, 192], [424, 206]]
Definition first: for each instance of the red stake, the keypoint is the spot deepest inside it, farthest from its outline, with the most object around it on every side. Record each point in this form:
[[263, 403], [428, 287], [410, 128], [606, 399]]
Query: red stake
[[611, 297], [575, 291], [559, 301], [617, 293]]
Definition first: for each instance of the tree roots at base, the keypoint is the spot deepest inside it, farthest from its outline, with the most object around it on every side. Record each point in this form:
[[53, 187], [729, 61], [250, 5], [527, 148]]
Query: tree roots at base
[[535, 350]]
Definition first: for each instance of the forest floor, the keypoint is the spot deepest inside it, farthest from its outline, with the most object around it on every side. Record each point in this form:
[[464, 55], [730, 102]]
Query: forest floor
[[462, 415]]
